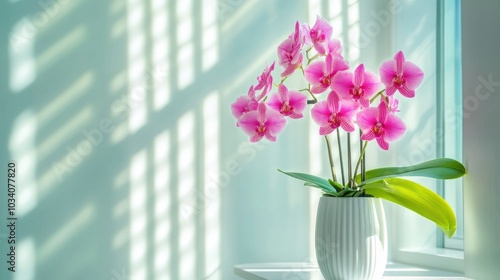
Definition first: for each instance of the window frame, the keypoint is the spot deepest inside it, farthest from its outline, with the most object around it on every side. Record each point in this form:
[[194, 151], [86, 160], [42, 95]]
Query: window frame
[[441, 253]]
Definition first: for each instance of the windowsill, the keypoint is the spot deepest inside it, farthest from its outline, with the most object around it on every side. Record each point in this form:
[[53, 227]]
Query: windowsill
[[435, 258], [308, 271]]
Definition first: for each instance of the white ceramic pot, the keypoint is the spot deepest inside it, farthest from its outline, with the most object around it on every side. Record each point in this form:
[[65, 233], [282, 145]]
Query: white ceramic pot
[[351, 238]]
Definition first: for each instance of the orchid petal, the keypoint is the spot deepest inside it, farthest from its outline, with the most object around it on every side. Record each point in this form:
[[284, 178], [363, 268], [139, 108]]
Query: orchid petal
[[314, 72], [334, 47], [367, 118], [262, 113], [342, 83], [359, 75], [368, 136], [297, 100], [295, 115], [405, 91], [251, 92], [382, 112], [242, 105], [400, 59], [319, 88], [321, 113], [289, 70], [255, 138], [275, 102], [387, 72], [333, 102], [347, 126], [270, 137], [283, 93], [371, 84], [384, 145], [390, 90], [349, 109], [323, 25], [364, 102], [339, 64], [413, 75], [394, 128], [249, 122], [329, 64], [324, 130]]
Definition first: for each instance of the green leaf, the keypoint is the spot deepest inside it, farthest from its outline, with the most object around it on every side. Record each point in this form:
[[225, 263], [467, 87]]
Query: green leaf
[[441, 168], [338, 187], [417, 198], [313, 181]]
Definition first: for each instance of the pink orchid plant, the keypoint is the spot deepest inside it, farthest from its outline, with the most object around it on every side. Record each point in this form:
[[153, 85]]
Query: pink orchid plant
[[353, 100]]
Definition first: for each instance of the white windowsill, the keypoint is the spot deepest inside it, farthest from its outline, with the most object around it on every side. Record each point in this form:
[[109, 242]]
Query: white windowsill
[[307, 271], [436, 258]]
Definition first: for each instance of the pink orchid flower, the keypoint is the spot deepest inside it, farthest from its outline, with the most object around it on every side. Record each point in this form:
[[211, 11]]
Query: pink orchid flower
[[401, 75], [244, 104], [320, 73], [334, 47], [359, 86], [319, 35], [289, 51], [378, 123], [288, 103], [262, 122], [392, 103], [333, 112], [265, 81]]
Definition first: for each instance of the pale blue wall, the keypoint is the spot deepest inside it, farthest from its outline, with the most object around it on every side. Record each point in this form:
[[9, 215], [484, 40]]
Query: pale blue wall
[[98, 220], [140, 77]]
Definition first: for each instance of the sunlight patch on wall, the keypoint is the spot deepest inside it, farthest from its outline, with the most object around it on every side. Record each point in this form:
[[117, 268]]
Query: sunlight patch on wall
[[212, 200], [353, 32], [137, 64], [65, 132], [27, 257], [46, 18], [314, 10], [69, 96], [315, 167], [66, 233], [209, 34], [121, 208], [186, 194], [62, 47], [118, 82], [233, 12], [162, 261], [138, 216], [336, 19], [185, 44], [22, 63], [119, 26], [22, 146], [161, 51]]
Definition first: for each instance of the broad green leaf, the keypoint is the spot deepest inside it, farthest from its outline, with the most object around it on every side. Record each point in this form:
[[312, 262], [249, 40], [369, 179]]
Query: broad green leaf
[[314, 180], [441, 168], [313, 185], [417, 198]]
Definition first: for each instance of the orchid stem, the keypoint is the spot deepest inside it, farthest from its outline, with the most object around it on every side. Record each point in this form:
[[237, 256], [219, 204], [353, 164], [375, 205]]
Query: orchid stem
[[330, 157], [349, 161], [376, 95], [312, 95], [340, 156], [363, 159], [359, 160]]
